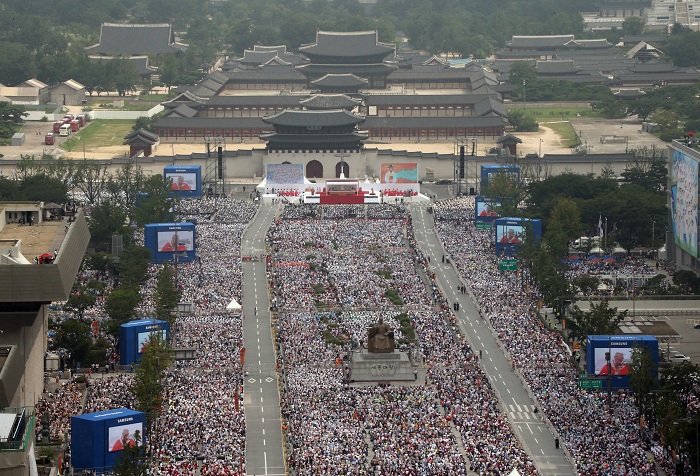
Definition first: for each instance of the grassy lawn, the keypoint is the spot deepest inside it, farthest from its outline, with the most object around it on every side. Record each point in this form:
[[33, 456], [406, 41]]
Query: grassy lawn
[[566, 132], [99, 133], [556, 114]]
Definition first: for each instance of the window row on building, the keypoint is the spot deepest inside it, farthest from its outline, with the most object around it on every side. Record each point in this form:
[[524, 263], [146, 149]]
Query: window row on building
[[403, 133]]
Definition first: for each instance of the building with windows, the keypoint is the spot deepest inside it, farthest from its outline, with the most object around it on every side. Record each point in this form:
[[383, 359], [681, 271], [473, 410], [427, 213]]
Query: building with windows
[[663, 14]]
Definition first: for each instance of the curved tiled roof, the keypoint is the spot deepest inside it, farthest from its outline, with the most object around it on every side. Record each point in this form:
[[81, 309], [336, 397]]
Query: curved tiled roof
[[127, 39], [330, 101], [301, 139], [340, 81], [346, 44], [357, 69], [539, 41], [322, 118]]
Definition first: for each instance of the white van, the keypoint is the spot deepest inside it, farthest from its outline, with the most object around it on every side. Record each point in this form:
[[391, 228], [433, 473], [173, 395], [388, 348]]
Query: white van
[[65, 130]]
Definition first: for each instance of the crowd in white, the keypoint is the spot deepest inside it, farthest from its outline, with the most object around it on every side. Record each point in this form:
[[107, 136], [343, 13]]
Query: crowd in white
[[449, 424], [599, 441], [333, 272]]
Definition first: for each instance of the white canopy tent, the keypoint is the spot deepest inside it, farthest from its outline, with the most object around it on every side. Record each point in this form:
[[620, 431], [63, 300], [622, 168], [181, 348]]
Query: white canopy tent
[[618, 250], [233, 306], [596, 250]]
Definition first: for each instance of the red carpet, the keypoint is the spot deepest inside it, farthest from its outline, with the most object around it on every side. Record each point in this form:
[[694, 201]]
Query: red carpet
[[342, 199]]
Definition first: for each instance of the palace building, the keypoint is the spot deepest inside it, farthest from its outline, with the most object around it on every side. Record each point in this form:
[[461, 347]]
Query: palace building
[[399, 98]]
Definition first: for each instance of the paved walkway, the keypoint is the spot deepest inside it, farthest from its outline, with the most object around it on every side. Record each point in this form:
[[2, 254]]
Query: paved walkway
[[264, 441]]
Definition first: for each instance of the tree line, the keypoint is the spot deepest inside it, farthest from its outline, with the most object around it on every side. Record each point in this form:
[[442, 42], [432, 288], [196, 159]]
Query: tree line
[[50, 47]]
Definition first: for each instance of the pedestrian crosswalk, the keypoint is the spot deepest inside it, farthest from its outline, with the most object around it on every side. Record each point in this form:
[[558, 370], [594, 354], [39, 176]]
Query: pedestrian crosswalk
[[522, 412]]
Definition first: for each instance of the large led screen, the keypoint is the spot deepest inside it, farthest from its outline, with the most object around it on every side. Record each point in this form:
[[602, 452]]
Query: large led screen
[[143, 338], [399, 173], [122, 436], [684, 193], [284, 174], [509, 234], [180, 240], [620, 359], [182, 181]]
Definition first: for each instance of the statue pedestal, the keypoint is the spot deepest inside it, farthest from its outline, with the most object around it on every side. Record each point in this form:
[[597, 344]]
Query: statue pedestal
[[377, 367]]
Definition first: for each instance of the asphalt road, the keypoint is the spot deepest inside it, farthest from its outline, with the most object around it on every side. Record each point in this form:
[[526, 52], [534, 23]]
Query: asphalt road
[[534, 434], [264, 443]]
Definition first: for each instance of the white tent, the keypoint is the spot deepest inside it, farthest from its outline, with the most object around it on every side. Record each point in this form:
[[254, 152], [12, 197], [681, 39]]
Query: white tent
[[261, 186], [662, 252], [233, 306], [515, 472], [619, 250], [596, 250]]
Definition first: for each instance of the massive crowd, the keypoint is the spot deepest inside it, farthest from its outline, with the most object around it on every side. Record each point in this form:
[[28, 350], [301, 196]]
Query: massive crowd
[[333, 271], [359, 265], [599, 441]]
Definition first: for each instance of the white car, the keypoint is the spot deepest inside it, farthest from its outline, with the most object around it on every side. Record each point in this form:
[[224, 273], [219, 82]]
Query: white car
[[679, 358]]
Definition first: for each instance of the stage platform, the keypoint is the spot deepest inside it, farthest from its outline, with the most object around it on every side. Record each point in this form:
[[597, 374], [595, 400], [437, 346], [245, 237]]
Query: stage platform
[[322, 199]]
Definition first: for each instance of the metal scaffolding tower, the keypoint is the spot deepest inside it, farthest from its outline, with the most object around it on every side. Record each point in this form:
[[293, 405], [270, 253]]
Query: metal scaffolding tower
[[466, 181], [215, 173]]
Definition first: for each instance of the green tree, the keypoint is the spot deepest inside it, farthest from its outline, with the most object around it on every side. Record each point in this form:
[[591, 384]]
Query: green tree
[[156, 204], [633, 25], [121, 75], [43, 188], [98, 261], [126, 183], [80, 301], [28, 166], [688, 281], [167, 295], [643, 377], [133, 265], [522, 122], [147, 386], [567, 214], [586, 283], [519, 72], [16, 63], [10, 190], [643, 107], [683, 47], [600, 320], [132, 459], [648, 171], [120, 305], [107, 219], [91, 178], [503, 188], [11, 118], [74, 336]]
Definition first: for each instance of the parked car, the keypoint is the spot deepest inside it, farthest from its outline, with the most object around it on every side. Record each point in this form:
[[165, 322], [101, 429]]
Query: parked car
[[679, 358]]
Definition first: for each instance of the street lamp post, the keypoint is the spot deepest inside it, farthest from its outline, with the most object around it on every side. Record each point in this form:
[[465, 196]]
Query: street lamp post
[[523, 95], [540, 152]]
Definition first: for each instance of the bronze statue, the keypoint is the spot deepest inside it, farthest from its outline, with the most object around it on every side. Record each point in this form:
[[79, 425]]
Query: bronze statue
[[380, 338]]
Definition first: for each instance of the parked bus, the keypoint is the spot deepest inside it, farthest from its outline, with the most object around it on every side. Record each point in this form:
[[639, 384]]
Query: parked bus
[[74, 125], [50, 139], [57, 127], [65, 130], [81, 119]]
